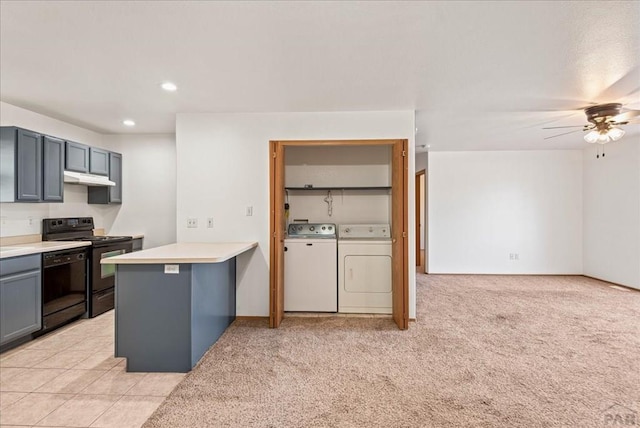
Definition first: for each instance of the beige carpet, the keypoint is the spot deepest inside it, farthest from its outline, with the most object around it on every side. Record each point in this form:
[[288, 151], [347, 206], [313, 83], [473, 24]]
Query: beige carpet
[[512, 351]]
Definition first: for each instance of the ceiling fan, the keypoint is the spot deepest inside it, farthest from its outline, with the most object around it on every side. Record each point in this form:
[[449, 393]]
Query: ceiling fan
[[604, 121]]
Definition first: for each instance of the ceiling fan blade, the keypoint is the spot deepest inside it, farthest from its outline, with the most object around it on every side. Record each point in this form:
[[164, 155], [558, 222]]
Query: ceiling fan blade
[[570, 132], [626, 116], [624, 87], [559, 127]]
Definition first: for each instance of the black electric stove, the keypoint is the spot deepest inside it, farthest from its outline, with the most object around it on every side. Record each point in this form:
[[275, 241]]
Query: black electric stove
[[101, 278]]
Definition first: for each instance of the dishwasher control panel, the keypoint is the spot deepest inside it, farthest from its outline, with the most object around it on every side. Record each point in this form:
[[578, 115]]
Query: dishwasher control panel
[[311, 230]]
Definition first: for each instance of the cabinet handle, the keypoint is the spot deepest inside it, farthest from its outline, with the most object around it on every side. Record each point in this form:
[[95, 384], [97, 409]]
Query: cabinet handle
[[19, 275]]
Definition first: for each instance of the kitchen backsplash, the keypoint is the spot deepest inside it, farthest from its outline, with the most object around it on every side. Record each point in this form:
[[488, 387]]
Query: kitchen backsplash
[[26, 219]]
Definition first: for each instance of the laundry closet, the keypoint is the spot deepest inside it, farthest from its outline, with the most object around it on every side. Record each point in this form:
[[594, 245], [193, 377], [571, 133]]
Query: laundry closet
[[338, 213]]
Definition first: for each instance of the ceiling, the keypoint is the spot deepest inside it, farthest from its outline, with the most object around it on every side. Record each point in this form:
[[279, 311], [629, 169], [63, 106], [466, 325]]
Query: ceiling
[[480, 75]]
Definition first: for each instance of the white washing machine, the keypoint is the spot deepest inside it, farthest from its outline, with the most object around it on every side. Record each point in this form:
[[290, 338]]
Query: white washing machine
[[310, 266], [364, 269]]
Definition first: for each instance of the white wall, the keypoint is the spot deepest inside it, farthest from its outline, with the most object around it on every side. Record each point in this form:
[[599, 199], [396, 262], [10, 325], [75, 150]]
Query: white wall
[[26, 219], [485, 205], [223, 167], [149, 190], [336, 166], [612, 213]]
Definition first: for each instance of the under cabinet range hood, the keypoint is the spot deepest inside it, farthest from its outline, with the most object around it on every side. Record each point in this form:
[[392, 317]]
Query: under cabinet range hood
[[87, 179]]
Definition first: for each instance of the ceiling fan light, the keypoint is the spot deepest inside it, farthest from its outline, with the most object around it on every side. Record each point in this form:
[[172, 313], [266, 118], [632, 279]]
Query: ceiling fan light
[[615, 133], [592, 137], [603, 138]]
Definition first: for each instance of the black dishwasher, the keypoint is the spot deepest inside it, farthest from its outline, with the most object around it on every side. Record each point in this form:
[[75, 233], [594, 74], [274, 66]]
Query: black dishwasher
[[64, 287]]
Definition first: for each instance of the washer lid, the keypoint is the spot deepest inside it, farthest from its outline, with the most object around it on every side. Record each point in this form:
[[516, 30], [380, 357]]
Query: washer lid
[[350, 231]]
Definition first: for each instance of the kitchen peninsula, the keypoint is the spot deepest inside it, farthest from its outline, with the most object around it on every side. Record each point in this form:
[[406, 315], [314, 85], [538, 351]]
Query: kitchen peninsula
[[173, 302]]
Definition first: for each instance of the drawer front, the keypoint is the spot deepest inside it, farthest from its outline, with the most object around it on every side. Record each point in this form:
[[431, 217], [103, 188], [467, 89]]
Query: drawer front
[[19, 264]]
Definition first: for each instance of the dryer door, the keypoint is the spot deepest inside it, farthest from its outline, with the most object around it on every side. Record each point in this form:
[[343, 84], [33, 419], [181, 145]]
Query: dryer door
[[367, 274]]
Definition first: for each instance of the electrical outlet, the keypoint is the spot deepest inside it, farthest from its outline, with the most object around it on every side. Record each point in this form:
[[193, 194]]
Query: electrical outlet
[[249, 211], [210, 222], [192, 222]]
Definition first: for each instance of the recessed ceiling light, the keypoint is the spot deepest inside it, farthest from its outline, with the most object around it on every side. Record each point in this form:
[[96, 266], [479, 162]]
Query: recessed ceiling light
[[128, 122], [169, 86]]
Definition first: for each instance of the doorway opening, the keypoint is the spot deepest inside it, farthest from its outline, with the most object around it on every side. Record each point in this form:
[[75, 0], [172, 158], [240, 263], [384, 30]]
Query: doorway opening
[[399, 224]]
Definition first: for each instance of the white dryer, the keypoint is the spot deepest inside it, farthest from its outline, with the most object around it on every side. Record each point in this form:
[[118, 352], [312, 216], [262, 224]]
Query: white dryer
[[364, 268]]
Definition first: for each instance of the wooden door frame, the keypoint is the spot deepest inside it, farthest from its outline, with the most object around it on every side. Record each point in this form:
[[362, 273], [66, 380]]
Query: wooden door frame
[[400, 214], [418, 212]]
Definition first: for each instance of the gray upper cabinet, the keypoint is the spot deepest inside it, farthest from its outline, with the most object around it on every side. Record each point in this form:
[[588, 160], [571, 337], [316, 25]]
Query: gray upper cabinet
[[29, 166], [20, 165], [77, 157], [32, 167], [112, 194], [98, 161], [53, 169], [21, 304], [115, 175]]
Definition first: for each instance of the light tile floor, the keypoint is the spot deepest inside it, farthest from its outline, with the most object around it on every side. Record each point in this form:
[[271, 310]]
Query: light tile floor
[[70, 378]]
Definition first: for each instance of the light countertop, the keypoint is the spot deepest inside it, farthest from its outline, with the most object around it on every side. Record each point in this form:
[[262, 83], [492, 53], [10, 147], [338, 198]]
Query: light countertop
[[7, 251], [184, 252]]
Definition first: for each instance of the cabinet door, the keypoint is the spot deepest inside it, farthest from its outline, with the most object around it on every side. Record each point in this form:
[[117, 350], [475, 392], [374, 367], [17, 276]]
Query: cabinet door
[[137, 244], [115, 175], [98, 161], [77, 157], [53, 169], [29, 166], [20, 306]]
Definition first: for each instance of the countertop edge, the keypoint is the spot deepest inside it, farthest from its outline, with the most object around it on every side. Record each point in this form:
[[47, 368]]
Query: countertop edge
[[137, 259], [52, 246]]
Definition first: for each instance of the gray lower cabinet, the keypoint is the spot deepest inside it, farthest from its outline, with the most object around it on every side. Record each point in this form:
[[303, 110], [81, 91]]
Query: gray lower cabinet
[[98, 161], [53, 169], [165, 323], [111, 194], [77, 157], [20, 297]]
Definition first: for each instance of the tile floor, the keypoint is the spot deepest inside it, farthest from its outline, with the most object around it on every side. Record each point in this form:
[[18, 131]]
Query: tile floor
[[70, 378]]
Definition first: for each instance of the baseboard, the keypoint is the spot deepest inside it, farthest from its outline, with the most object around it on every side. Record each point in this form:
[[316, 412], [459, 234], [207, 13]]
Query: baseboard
[[505, 274], [251, 318], [539, 274], [614, 283]]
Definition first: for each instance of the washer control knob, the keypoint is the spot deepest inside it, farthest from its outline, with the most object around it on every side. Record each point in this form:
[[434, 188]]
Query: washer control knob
[[324, 228], [312, 228], [347, 230], [299, 227]]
